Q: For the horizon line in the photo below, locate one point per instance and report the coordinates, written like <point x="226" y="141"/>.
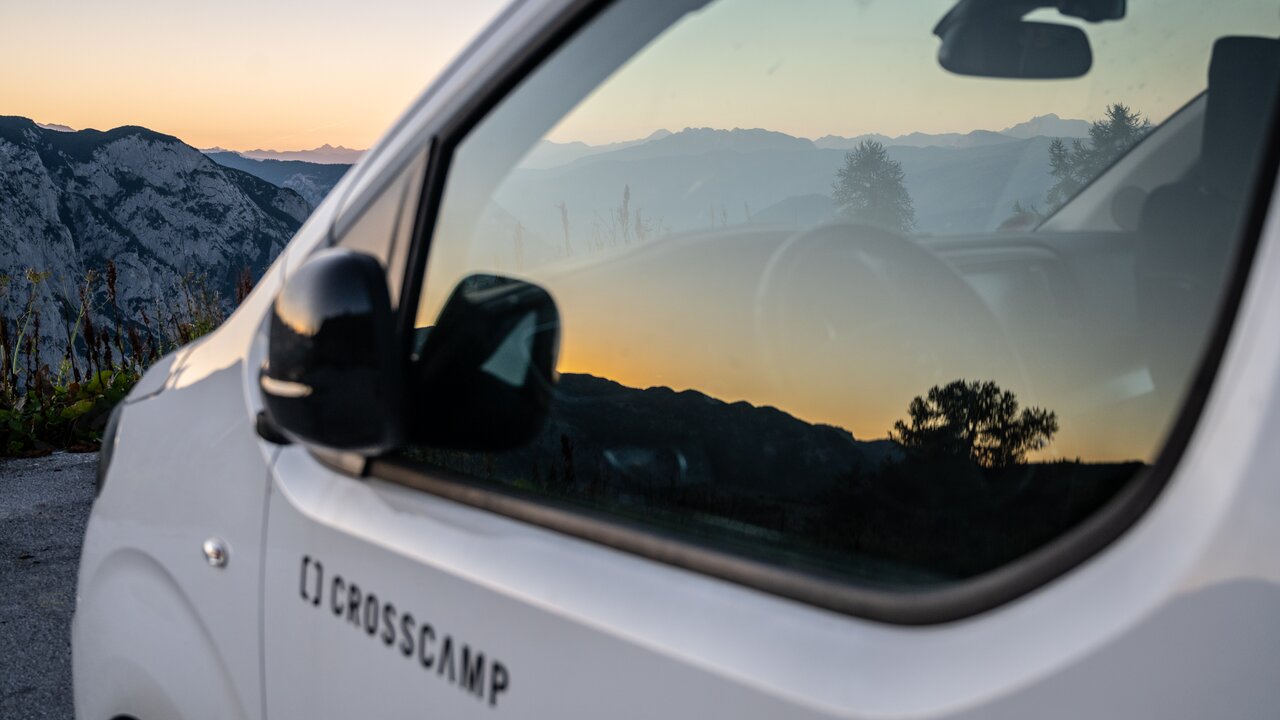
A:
<point x="218" y="147"/>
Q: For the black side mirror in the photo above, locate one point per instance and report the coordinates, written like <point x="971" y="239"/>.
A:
<point x="483" y="375"/>
<point x="988" y="43"/>
<point x="333" y="376"/>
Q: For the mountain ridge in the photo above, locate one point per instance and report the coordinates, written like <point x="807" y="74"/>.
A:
<point x="548" y="154"/>
<point x="157" y="208"/>
<point x="312" y="181"/>
<point x="325" y="154"/>
<point x="679" y="182"/>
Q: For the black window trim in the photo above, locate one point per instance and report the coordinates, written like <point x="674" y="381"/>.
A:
<point x="965" y="599"/>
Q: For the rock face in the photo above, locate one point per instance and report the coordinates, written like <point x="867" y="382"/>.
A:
<point x="160" y="209"/>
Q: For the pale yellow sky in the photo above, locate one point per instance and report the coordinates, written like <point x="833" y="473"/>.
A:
<point x="240" y="74"/>
<point x="290" y="75"/>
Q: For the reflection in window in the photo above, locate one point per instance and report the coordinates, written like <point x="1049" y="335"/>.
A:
<point x="824" y="303"/>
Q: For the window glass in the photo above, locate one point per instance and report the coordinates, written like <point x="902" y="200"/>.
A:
<point x="383" y="227"/>
<point x="825" y="303"/>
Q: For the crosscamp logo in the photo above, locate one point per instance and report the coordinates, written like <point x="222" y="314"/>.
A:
<point x="438" y="653"/>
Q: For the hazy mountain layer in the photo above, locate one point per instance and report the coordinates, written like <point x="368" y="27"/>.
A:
<point x="324" y="155"/>
<point x="312" y="181"/>
<point x="1050" y="126"/>
<point x="700" y="178"/>
<point x="71" y="201"/>
<point x="547" y="153"/>
<point x="916" y="139"/>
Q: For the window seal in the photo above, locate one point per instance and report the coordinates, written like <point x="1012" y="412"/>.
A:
<point x="966" y="598"/>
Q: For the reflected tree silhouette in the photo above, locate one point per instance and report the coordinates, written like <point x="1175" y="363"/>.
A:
<point x="870" y="189"/>
<point x="975" y="420"/>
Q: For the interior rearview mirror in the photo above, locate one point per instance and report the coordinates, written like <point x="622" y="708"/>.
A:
<point x="990" y="45"/>
<point x="332" y="376"/>
<point x="482" y="377"/>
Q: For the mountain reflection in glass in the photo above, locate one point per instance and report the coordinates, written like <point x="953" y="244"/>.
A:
<point x="903" y="360"/>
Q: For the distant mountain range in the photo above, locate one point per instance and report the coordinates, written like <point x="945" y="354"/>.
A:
<point x="311" y="173"/>
<point x="547" y="154"/>
<point x="699" y="178"/>
<point x="157" y="207"/>
<point x="324" y="155"/>
<point x="312" y="181"/>
<point x="1040" y="126"/>
<point x="550" y="154"/>
<point x="162" y="209"/>
<point x="1049" y="126"/>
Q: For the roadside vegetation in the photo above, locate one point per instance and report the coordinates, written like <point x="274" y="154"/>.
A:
<point x="49" y="403"/>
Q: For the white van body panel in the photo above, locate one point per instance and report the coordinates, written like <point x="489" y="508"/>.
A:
<point x="187" y="467"/>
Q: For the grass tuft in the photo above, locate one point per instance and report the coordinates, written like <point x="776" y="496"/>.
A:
<point x="102" y="354"/>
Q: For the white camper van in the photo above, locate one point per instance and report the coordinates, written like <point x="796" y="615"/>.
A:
<point x="739" y="359"/>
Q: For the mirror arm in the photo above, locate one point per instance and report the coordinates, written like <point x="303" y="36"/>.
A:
<point x="346" y="463"/>
<point x="268" y="431"/>
<point x="1013" y="10"/>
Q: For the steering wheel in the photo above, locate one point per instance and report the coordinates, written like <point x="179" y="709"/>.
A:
<point x="853" y="321"/>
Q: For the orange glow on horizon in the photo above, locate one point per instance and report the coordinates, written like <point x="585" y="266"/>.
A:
<point x="239" y="75"/>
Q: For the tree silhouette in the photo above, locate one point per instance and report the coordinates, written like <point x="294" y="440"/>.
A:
<point x="869" y="189"/>
<point x="1109" y="138"/>
<point x="974" y="420"/>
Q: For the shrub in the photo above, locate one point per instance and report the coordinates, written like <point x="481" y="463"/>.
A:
<point x="103" y="355"/>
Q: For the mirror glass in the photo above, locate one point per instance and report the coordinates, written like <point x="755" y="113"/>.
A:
<point x="482" y="376"/>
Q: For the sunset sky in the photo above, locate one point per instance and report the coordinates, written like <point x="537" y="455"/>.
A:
<point x="240" y="74"/>
<point x="291" y="75"/>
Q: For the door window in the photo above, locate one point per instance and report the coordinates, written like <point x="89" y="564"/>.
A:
<point x="826" y="304"/>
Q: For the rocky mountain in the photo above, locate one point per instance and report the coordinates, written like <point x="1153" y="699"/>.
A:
<point x="160" y="209"/>
<point x="311" y="180"/>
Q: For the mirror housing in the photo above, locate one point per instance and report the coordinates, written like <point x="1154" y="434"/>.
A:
<point x="983" y="41"/>
<point x="332" y="376"/>
<point x="482" y="378"/>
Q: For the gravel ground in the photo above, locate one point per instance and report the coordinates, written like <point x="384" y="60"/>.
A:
<point x="44" y="504"/>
